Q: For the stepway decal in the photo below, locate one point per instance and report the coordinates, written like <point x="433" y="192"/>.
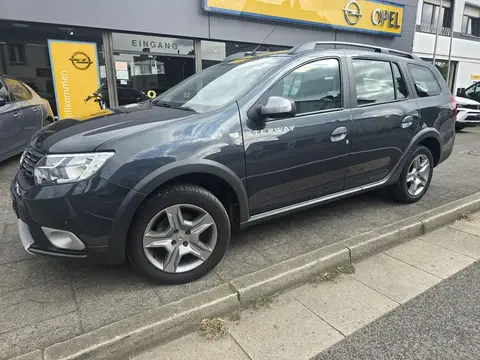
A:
<point x="270" y="131"/>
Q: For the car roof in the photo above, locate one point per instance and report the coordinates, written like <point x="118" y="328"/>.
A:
<point x="327" y="48"/>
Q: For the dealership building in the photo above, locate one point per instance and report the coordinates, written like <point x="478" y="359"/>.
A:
<point x="147" y="46"/>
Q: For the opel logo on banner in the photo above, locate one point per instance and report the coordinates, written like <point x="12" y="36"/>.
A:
<point x="80" y="60"/>
<point x="353" y="12"/>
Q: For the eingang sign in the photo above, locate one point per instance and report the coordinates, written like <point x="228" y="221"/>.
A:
<point x="373" y="16"/>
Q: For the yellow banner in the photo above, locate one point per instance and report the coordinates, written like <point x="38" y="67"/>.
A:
<point x="373" y="16"/>
<point x="75" y="76"/>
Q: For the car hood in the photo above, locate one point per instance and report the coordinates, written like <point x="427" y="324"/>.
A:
<point x="89" y="132"/>
<point x="465" y="101"/>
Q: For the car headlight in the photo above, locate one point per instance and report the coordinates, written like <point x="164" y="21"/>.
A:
<point x="67" y="168"/>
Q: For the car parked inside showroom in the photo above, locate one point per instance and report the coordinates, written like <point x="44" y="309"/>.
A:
<point x="22" y="113"/>
<point x="258" y="136"/>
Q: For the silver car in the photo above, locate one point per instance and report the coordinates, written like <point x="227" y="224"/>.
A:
<point x="22" y="114"/>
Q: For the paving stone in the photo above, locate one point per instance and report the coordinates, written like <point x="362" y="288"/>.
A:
<point x="13" y="251"/>
<point x="33" y="271"/>
<point x="106" y="294"/>
<point x="345" y="304"/>
<point x="34" y="355"/>
<point x="9" y="233"/>
<point x="171" y="293"/>
<point x="431" y="258"/>
<point x="240" y="259"/>
<point x="382" y="273"/>
<point x="470" y="227"/>
<point x="35" y="304"/>
<point x="195" y="346"/>
<point x="39" y="335"/>
<point x="287" y="330"/>
<point x="455" y="240"/>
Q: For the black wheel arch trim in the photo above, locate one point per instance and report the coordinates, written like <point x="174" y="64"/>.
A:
<point x="153" y="181"/>
<point x="417" y="139"/>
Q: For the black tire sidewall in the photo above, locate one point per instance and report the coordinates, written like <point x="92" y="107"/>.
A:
<point x="179" y="195"/>
<point x="405" y="195"/>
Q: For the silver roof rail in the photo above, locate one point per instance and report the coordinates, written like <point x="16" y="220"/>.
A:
<point x="316" y="45"/>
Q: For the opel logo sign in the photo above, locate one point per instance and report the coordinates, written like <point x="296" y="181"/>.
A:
<point x="80" y="60"/>
<point x="352" y="12"/>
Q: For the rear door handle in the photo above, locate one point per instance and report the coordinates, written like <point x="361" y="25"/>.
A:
<point x="407" y="121"/>
<point x="36" y="109"/>
<point x="339" y="134"/>
<point x="17" y="114"/>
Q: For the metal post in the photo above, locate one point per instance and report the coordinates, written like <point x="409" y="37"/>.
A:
<point x="110" y="69"/>
<point x="437" y="32"/>
<point x="451" y="43"/>
<point x="197" y="46"/>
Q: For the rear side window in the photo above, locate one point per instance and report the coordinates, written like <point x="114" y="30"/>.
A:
<point x="374" y="81"/>
<point x="425" y="82"/>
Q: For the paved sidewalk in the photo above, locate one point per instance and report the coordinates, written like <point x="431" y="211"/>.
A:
<point x="305" y="321"/>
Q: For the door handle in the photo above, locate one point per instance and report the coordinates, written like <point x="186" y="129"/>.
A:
<point x="407" y="121"/>
<point x="36" y="109"/>
<point x="17" y="114"/>
<point x="338" y="134"/>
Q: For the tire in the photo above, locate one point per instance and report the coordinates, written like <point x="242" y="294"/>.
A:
<point x="153" y="261"/>
<point x="402" y="191"/>
<point x="459" y="127"/>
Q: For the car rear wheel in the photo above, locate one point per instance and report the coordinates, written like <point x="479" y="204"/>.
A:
<point x="415" y="178"/>
<point x="179" y="235"/>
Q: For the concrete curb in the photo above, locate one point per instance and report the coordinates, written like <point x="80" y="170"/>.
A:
<point x="130" y="335"/>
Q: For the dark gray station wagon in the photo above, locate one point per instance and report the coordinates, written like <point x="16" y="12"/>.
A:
<point x="165" y="182"/>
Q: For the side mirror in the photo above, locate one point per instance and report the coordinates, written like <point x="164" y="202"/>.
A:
<point x="278" y="107"/>
<point x="3" y="102"/>
<point x="461" y="92"/>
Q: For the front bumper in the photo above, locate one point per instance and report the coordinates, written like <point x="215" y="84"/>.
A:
<point x="86" y="210"/>
<point x="468" y="117"/>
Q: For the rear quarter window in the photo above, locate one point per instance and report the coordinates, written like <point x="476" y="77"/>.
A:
<point x="424" y="80"/>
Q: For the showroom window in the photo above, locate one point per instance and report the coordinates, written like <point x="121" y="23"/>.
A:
<point x="24" y="53"/>
<point x="150" y="65"/>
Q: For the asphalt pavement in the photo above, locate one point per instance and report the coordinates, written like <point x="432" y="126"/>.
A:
<point x="69" y="298"/>
<point x="442" y="323"/>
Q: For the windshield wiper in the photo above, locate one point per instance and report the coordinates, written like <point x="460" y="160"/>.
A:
<point x="162" y="104"/>
<point x="186" y="108"/>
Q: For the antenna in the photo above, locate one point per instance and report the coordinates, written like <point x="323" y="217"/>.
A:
<point x="271" y="32"/>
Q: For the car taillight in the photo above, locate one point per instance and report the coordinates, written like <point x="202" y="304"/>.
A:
<point x="455" y="107"/>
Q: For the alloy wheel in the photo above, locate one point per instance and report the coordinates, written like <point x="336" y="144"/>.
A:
<point x="418" y="175"/>
<point x="180" y="238"/>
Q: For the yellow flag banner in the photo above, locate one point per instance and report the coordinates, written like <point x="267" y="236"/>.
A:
<point x="75" y="76"/>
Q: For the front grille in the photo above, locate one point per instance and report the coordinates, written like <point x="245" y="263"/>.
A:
<point x="30" y="159"/>
<point x="473" y="107"/>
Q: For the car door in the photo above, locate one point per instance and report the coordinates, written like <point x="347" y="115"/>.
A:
<point x="32" y="117"/>
<point x="385" y="119"/>
<point x="10" y="118"/>
<point x="301" y="157"/>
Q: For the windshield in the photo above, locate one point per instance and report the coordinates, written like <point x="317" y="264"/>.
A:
<point x="217" y="85"/>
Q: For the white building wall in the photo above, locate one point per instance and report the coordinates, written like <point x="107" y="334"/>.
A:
<point x="464" y="50"/>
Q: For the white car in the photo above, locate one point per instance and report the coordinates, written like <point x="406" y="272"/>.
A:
<point x="468" y="113"/>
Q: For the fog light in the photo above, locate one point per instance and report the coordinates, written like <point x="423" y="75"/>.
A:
<point x="63" y="239"/>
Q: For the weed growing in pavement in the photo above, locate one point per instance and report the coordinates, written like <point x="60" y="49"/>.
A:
<point x="464" y="216"/>
<point x="262" y="302"/>
<point x="213" y="329"/>
<point x="333" y="274"/>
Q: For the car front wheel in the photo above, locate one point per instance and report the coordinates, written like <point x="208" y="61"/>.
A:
<point x="179" y="235"/>
<point x="415" y="178"/>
